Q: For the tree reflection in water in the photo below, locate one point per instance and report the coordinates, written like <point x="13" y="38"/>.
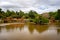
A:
<point x="58" y="27"/>
<point x="58" y="24"/>
<point x="10" y="27"/>
<point x="14" y="26"/>
<point x="31" y="28"/>
<point x="0" y="28"/>
<point x="39" y="28"/>
<point x="21" y="26"/>
<point x="58" y="31"/>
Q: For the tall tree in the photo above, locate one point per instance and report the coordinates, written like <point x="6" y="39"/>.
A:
<point x="0" y="10"/>
<point x="58" y="15"/>
<point x="32" y="14"/>
<point x="20" y="14"/>
<point x="8" y="13"/>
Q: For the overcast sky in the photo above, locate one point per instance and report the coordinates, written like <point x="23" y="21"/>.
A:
<point x="26" y="5"/>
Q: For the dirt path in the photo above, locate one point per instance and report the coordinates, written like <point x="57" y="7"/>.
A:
<point x="4" y="24"/>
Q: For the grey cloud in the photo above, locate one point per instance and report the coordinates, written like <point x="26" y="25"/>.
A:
<point x="9" y="6"/>
<point x="38" y="5"/>
<point x="49" y="2"/>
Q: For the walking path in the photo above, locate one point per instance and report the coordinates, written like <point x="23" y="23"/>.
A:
<point x="4" y="24"/>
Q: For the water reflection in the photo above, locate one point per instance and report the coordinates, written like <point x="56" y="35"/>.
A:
<point x="31" y="28"/>
<point x="58" y="27"/>
<point x="58" y="24"/>
<point x="58" y="31"/>
<point x="0" y="28"/>
<point x="14" y="26"/>
<point x="30" y="31"/>
<point x="39" y="28"/>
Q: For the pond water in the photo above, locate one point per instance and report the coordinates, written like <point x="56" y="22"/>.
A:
<point x="29" y="32"/>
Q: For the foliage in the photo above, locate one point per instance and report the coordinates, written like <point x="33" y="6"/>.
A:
<point x="41" y="20"/>
<point x="58" y="15"/>
<point x="26" y="16"/>
<point x="52" y="14"/>
<point x="20" y="14"/>
<point x="33" y="16"/>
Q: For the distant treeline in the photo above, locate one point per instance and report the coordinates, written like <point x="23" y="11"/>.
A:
<point x="33" y="16"/>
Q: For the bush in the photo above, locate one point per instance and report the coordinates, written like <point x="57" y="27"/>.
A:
<point x="41" y="20"/>
<point x="31" y="20"/>
<point x="45" y="20"/>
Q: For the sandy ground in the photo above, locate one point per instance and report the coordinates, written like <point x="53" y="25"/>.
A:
<point x="4" y="24"/>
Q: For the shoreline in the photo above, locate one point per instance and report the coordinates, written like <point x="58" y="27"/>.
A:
<point x="4" y="24"/>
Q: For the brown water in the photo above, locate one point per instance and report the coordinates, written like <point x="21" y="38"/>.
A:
<point x="29" y="32"/>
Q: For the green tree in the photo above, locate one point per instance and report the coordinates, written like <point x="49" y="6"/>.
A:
<point x="8" y="13"/>
<point x="13" y="14"/>
<point x="0" y="10"/>
<point x="1" y="13"/>
<point x="32" y="14"/>
<point x="26" y="15"/>
<point x="52" y="14"/>
<point x="20" y="14"/>
<point x="41" y="20"/>
<point x="58" y="15"/>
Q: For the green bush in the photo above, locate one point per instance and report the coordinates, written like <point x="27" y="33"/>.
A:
<point x="41" y="20"/>
<point x="31" y="20"/>
<point x="44" y="20"/>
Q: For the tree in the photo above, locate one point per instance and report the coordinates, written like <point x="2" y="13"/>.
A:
<point x="0" y="10"/>
<point x="13" y="14"/>
<point x="1" y="13"/>
<point x="52" y="14"/>
<point x="8" y="13"/>
<point x="41" y="20"/>
<point x="20" y="14"/>
<point x="26" y="15"/>
<point x="32" y="14"/>
<point x="58" y="15"/>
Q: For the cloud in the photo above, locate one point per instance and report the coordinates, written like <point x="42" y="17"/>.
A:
<point x="8" y="5"/>
<point x="38" y="5"/>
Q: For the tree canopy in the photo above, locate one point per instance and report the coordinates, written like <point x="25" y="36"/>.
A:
<point x="33" y="16"/>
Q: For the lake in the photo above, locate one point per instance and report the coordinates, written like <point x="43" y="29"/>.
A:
<point x="29" y="32"/>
